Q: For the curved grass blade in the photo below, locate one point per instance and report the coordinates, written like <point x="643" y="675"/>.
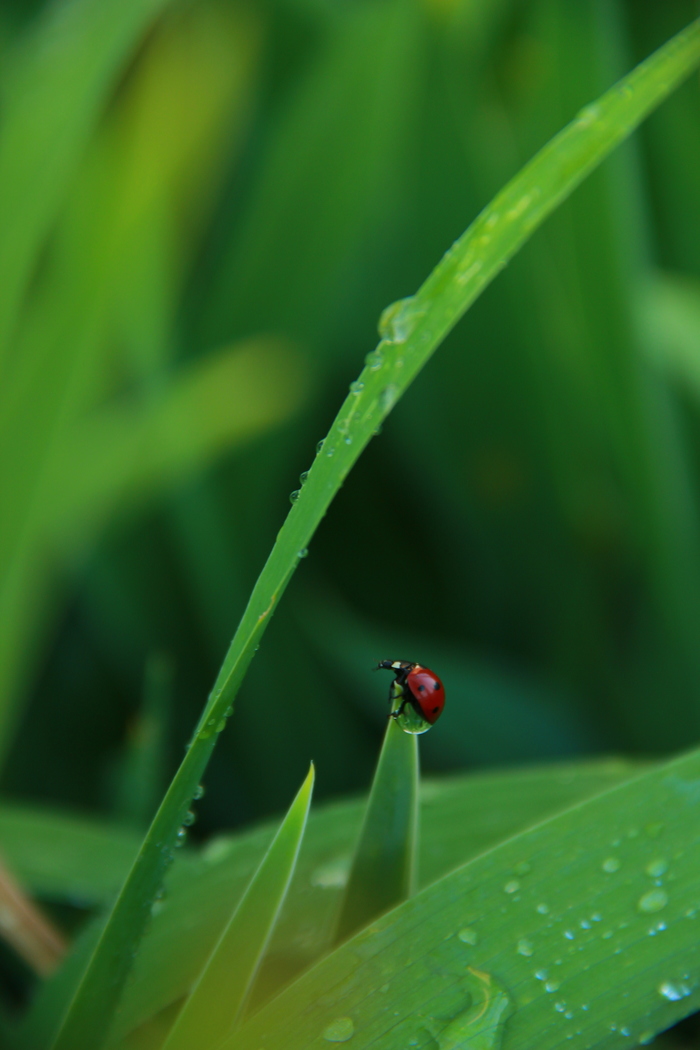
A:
<point x="586" y="923"/>
<point x="52" y="98"/>
<point x="218" y="997"/>
<point x="412" y="331"/>
<point x="384" y="867"/>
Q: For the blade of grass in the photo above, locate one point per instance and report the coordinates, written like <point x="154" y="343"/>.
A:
<point x="142" y="777"/>
<point x="219" y="995"/>
<point x="384" y="865"/>
<point x="587" y="923"/>
<point x="53" y="95"/>
<point x="415" y="330"/>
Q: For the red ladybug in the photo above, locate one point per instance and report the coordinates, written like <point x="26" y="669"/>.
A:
<point x="424" y="690"/>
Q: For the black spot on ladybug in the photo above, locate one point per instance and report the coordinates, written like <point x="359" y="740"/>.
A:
<point x="436" y="686"/>
<point x="435" y="710"/>
<point x="421" y="688"/>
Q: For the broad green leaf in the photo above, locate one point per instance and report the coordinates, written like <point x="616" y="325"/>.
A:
<point x="585" y="926"/>
<point x="383" y="869"/>
<point x="215" y="1003"/>
<point x="411" y="331"/>
<point x="460" y="818"/>
<point x="53" y="94"/>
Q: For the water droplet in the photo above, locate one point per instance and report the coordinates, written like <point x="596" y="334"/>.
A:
<point x="330" y="452"/>
<point x="340" y="1030"/>
<point x="560" y="1007"/>
<point x="388" y="397"/>
<point x="657" y="868"/>
<point x="646" y="1038"/>
<point x="357" y="387"/>
<point x="294" y="496"/>
<point x="332" y="875"/>
<point x="517" y="210"/>
<point x="611" y="865"/>
<point x="541" y="975"/>
<point x="551" y="986"/>
<point x="481" y="1025"/>
<point x="596" y="917"/>
<point x="320" y="446"/>
<point x="569" y="934"/>
<point x="374" y="360"/>
<point x="411" y="722"/>
<point x="348" y="439"/>
<point x="465" y="275"/>
<point x="652" y="901"/>
<point x="672" y="991"/>
<point x="199" y="792"/>
<point x="521" y="868"/>
<point x="399" y="319"/>
<point x="543" y="909"/>
<point x="303" y="553"/>
<point x="468" y="936"/>
<point x="180" y="837"/>
<point x="189" y="818"/>
<point x="585" y="924"/>
<point x="525" y="947"/>
<point x="569" y="1015"/>
<point x="512" y="886"/>
<point x="588" y="115"/>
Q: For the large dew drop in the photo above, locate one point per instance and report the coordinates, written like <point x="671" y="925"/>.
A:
<point x="398" y="320"/>
<point x="652" y="901"/>
<point x="480" y="1027"/>
<point x="340" y="1030"/>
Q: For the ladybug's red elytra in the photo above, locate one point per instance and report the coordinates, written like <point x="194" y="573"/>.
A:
<point x="423" y="689"/>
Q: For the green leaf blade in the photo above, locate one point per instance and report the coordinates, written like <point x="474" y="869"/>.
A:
<point x="383" y="871"/>
<point x="218" y="997"/>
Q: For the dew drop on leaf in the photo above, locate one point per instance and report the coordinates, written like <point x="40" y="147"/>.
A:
<point x="652" y="901"/>
<point x="525" y="947"/>
<point x="480" y="1027"/>
<point x="340" y="1030"/>
<point x="657" y="868"/>
<point x="468" y="936"/>
<point x="672" y="991"/>
<point x="611" y="865"/>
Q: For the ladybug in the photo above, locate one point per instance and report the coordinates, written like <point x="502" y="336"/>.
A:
<point x="423" y="689"/>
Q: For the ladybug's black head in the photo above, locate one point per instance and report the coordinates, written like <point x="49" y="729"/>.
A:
<point x="400" y="667"/>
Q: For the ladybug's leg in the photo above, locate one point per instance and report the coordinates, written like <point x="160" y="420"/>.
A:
<point x="399" y="709"/>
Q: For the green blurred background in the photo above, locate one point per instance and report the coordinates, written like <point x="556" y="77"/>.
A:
<point x="191" y="282"/>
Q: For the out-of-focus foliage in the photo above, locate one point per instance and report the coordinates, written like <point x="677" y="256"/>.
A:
<point x="199" y="259"/>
